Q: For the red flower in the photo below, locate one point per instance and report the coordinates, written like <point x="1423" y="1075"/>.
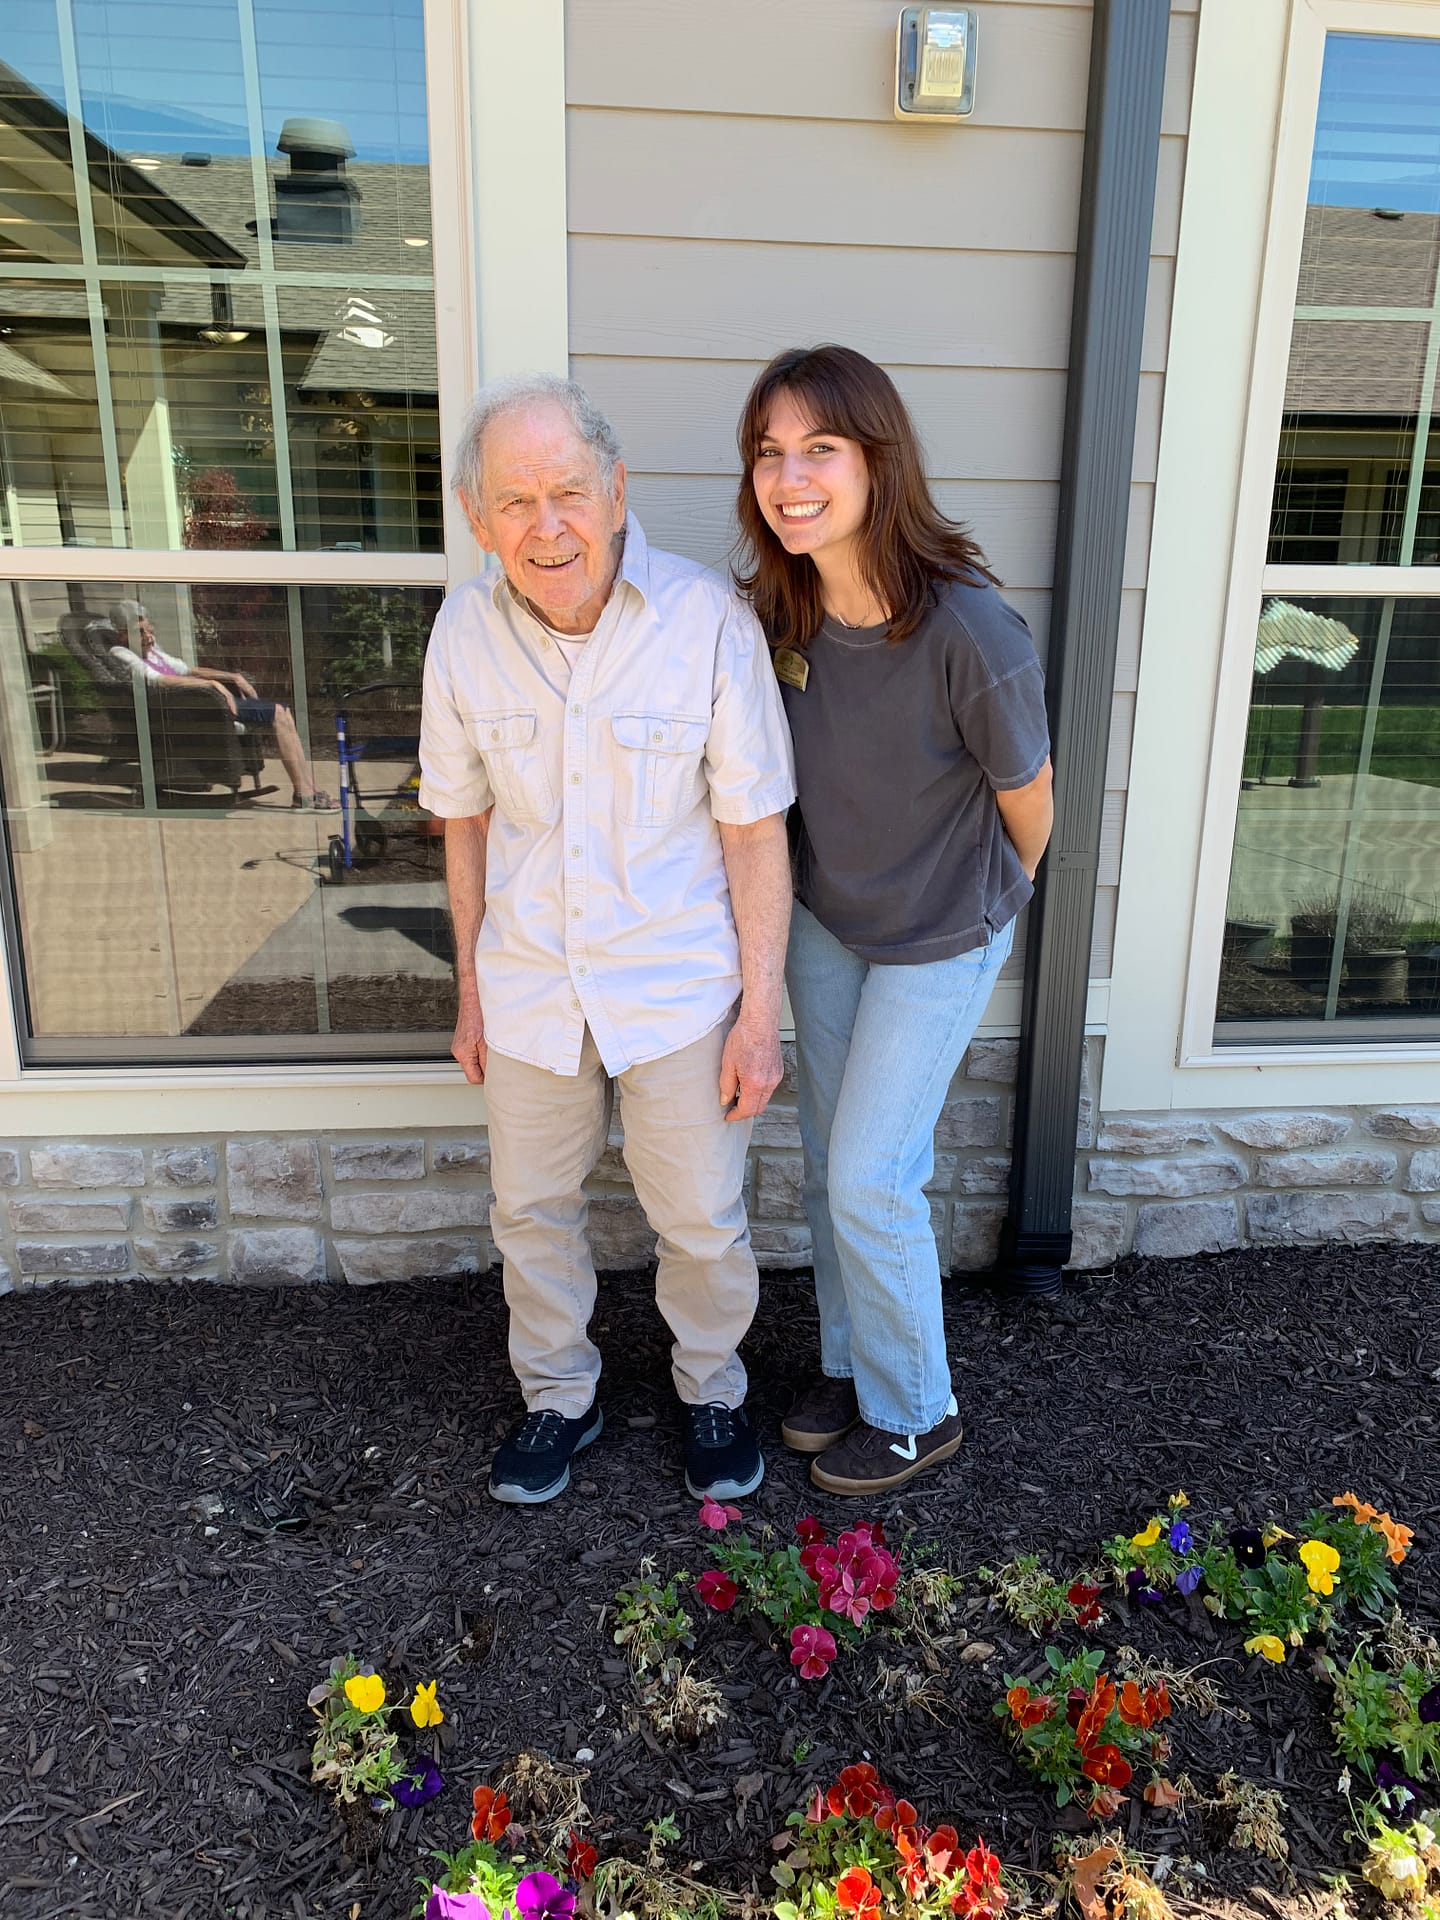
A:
<point x="716" y="1589"/>
<point x="580" y="1857"/>
<point x="1106" y="1766"/>
<point x="941" y="1849"/>
<point x="1075" y="1705"/>
<point x="1028" y="1709"/>
<point x="1132" y="1705"/>
<point x="713" y="1515"/>
<point x="809" y="1531"/>
<point x="810" y="1558"/>
<point x="811" y="1649"/>
<point x="859" y="1791"/>
<point x="982" y="1868"/>
<point x="1098" y="1708"/>
<point x="1084" y="1601"/>
<point x="856" y="1892"/>
<point x="491" y="1818"/>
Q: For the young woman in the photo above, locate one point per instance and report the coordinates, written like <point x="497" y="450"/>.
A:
<point x="922" y="759"/>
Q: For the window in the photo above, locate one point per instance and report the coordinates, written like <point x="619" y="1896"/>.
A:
<point x="219" y="450"/>
<point x="1332" y="919"/>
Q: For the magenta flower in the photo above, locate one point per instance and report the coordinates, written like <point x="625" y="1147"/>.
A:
<point x="455" y="1906"/>
<point x="713" y="1515"/>
<point x="809" y="1531"/>
<point x="716" y="1589"/>
<point x="540" y="1896"/>
<point x="811" y="1649"/>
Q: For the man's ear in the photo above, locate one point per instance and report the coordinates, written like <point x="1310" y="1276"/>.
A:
<point x="477" y="525"/>
<point x="619" y="495"/>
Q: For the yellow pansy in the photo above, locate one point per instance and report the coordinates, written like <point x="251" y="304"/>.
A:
<point x="365" y="1692"/>
<point x="1270" y="1644"/>
<point x="1179" y="1499"/>
<point x="424" y="1708"/>
<point x="1148" y="1537"/>
<point x="1321" y="1561"/>
<point x="1273" y="1533"/>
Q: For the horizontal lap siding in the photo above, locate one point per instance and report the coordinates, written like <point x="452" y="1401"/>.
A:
<point x="738" y="191"/>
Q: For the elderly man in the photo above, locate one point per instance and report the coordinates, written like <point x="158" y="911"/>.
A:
<point x="604" y="740"/>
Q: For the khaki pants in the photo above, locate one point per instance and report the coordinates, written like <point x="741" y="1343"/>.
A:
<point x="547" y="1131"/>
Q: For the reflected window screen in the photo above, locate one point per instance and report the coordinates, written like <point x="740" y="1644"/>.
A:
<point x="219" y="920"/>
<point x="1333" y="913"/>
<point x="216" y="309"/>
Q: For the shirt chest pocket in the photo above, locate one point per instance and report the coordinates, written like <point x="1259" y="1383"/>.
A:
<point x="657" y="766"/>
<point x="514" y="754"/>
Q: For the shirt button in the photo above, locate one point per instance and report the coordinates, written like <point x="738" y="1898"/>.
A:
<point x="576" y="913"/>
<point x="574" y="853"/>
<point x="494" y="733"/>
<point x="575" y="1006"/>
<point x="582" y="970"/>
<point x="577" y="710"/>
<point x="574" y="779"/>
<point x="657" y="735"/>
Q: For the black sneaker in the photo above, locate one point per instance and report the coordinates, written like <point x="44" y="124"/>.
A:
<point x="533" y="1461"/>
<point x="722" y="1459"/>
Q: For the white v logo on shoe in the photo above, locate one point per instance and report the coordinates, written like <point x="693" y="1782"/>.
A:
<point x="907" y="1451"/>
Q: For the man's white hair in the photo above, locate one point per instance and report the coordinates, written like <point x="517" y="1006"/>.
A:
<point x="514" y="395"/>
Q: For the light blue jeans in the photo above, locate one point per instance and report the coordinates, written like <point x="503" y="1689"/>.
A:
<point x="876" y="1049"/>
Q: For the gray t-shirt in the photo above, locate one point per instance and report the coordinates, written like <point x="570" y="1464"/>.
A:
<point x="899" y="748"/>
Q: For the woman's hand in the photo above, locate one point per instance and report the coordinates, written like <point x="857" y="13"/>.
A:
<point x="1029" y="815"/>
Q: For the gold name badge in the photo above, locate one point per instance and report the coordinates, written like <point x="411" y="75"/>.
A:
<point x="792" y="667"/>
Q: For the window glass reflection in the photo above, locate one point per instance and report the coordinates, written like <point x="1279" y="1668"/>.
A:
<point x="217" y="914"/>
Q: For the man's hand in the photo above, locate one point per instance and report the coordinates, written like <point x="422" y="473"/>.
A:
<point x="468" y="1046"/>
<point x="750" y="1068"/>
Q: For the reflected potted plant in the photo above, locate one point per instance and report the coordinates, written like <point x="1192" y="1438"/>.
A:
<point x="1376" y="926"/>
<point x="1422" y="945"/>
<point x="1247" y="936"/>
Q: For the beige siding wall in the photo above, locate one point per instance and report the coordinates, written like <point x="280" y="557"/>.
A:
<point x="737" y="184"/>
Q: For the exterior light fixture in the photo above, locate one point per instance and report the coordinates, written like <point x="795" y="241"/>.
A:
<point x="935" y="63"/>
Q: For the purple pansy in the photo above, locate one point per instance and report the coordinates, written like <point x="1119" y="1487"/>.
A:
<point x="455" y="1906"/>
<point x="1248" y="1547"/>
<point x="540" y="1896"/>
<point x="414" y="1789"/>
<point x="1188" y="1579"/>
<point x="1140" y="1592"/>
<point x="1181" y="1538"/>
<point x="1428" y="1707"/>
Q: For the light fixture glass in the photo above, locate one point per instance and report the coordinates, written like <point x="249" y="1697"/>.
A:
<point x="414" y="240"/>
<point x="145" y="163"/>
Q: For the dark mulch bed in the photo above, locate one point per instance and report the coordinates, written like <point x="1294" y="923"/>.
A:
<point x="153" y="1731"/>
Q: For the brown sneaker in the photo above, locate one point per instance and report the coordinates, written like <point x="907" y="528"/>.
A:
<point x="869" y="1460"/>
<point x="824" y="1413"/>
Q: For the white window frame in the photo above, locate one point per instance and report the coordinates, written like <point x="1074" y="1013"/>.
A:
<point x="1257" y="90"/>
<point x="495" y="79"/>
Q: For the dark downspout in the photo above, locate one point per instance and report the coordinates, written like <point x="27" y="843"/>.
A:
<point x="1112" y="261"/>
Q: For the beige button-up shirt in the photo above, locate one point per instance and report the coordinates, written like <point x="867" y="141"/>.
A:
<point x="606" y="901"/>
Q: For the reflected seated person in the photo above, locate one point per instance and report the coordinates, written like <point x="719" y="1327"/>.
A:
<point x="145" y="658"/>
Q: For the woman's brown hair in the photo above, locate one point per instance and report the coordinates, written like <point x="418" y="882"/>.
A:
<point x="907" y="546"/>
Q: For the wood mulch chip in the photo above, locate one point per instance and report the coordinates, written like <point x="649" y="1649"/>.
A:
<point x="207" y="1493"/>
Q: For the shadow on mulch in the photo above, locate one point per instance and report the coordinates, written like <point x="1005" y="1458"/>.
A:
<point x="156" y="1646"/>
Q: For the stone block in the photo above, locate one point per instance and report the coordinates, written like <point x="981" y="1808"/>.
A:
<point x="1085" y="1124"/>
<point x="366" y="1263"/>
<point x="780" y="1188"/>
<point x="87" y="1166"/>
<point x="620" y="1235"/>
<point x="1430" y="1212"/>
<point x="989" y="1174"/>
<point x="1162" y="1133"/>
<point x="184" y="1166"/>
<point x="460" y="1156"/>
<point x="1307" y="1219"/>
<point x="1174" y="1179"/>
<point x="942" y="1179"/>
<point x="175" y="1256"/>
<point x="1280" y="1132"/>
<point x="70" y="1216"/>
<point x="788" y="1062"/>
<point x="277" y="1256"/>
<point x="1424" y="1174"/>
<point x="1098" y="1229"/>
<point x="992" y="1060"/>
<point x="377" y="1159"/>
<point x="977" y="1121"/>
<point x="776" y="1127"/>
<point x="974" y="1237"/>
<point x="191" y="1215"/>
<point x="1355" y="1169"/>
<point x="1189" y="1227"/>
<point x="421" y="1211"/>
<point x="779" y="1247"/>
<point x="9" y="1167"/>
<point x="274" y="1179"/>
<point x="90" y="1257"/>
<point x="1419" y="1125"/>
<point x="611" y="1164"/>
<point x="7" y="1279"/>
